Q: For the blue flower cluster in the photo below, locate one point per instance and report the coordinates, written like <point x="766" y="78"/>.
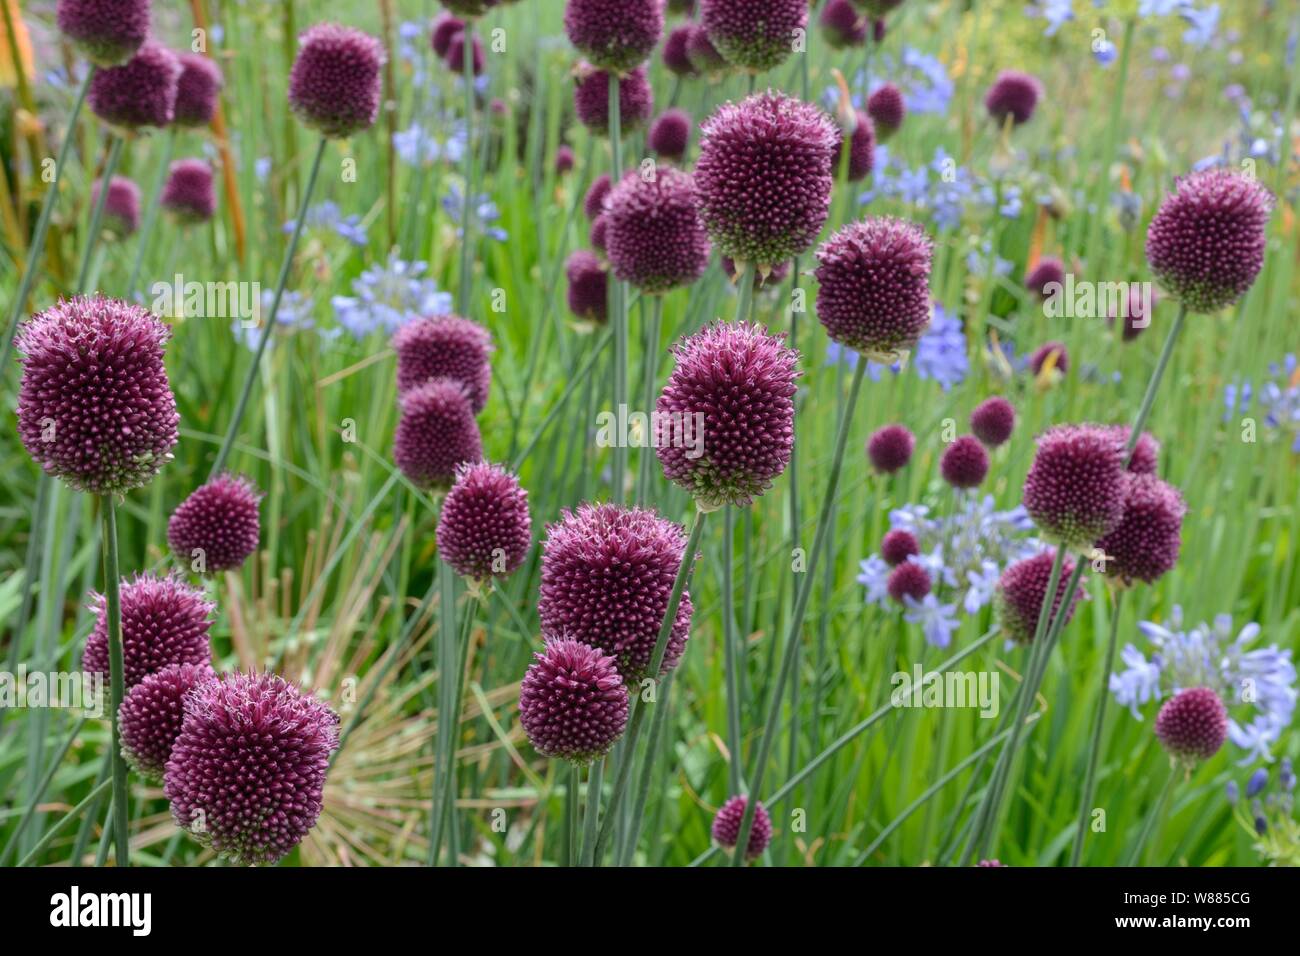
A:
<point x="940" y="353"/>
<point x="387" y="297"/>
<point x="1279" y="398"/>
<point x="1267" y="813"/>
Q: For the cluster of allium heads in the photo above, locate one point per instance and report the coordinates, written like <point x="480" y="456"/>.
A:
<point x="676" y="55"/>
<point x="164" y="621"/>
<point x="593" y="203"/>
<point x="670" y="134"/>
<point x="1136" y="313"/>
<point x="993" y="421"/>
<point x="588" y="292"/>
<point x="152" y="713"/>
<point x="189" y="193"/>
<point x="1013" y="95"/>
<point x="455" y="58"/>
<point x="336" y="80"/>
<point x="889" y="448"/>
<point x="197" y="90"/>
<point x="1145" y="457"/>
<point x="599" y="233"/>
<point x="1145" y="544"/>
<point x="842" y="25"/>
<point x="897" y="546"/>
<point x="121" y="205"/>
<point x="862" y="150"/>
<point x="1192" y="725"/>
<point x="484" y="528"/>
<point x="1054" y="352"/>
<point x="573" y="703"/>
<point x="887" y="110"/>
<point x="739" y="381"/>
<point x="1206" y="243"/>
<point x="1075" y="487"/>
<point x="94" y="406"/>
<point x="965" y="463"/>
<point x="246" y="775"/>
<point x="909" y="579"/>
<point x="874" y="286"/>
<point x="704" y="56"/>
<point x="654" y="238"/>
<point x="615" y="35"/>
<point x="1021" y="590"/>
<point x="754" y="35"/>
<point x="636" y="100"/>
<point x="106" y="32"/>
<point x="445" y="346"/>
<point x="139" y="93"/>
<point x="607" y="574"/>
<point x="727" y="822"/>
<point x="445" y="27"/>
<point x="1046" y="278"/>
<point x="436" y="433"/>
<point x="764" y="177"/>
<point x="217" y="527"/>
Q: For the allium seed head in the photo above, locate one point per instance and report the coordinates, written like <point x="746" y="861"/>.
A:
<point x="615" y="35"/>
<point x="676" y="55"/>
<point x="897" y="546"/>
<point x="573" y="704"/>
<point x="670" y="134"/>
<point x="217" y="524"/>
<point x="445" y="26"/>
<point x="636" y="100"/>
<point x="563" y="159"/>
<point x="703" y="54"/>
<point x="1049" y="272"/>
<point x="965" y="463"/>
<point x="588" y="286"/>
<point x="727" y="822"/>
<point x="484" y="529"/>
<point x="105" y="32"/>
<point x="890" y="448"/>
<point x="1192" y="725"/>
<point x="654" y="238"/>
<point x="436" y="432"/>
<point x="887" y="110"/>
<point x="189" y="193"/>
<point x="164" y="621"/>
<point x="445" y="346"/>
<point x="141" y="92"/>
<point x="335" y="83"/>
<point x="1021" y="591"/>
<point x="1075" y="487"/>
<point x="197" y="90"/>
<point x="993" y="421"/>
<point x="843" y="26"/>
<point x="1145" y="544"/>
<point x="754" y="35"/>
<point x="908" y="580"/>
<point x="1013" y="94"/>
<point x="862" y="150"/>
<point x="593" y="203"/>
<point x="121" y="205"/>
<point x="152" y="713"/>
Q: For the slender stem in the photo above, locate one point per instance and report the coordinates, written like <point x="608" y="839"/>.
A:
<point x="466" y="221"/>
<point x="88" y="821"/>
<point x="575" y="382"/>
<point x="268" y="321"/>
<point x="649" y="374"/>
<point x="461" y="651"/>
<point x="571" y="817"/>
<point x="1153" y="386"/>
<point x="595" y="784"/>
<point x="97" y="213"/>
<point x="647" y="770"/>
<point x="44" y="785"/>
<point x="116" y="678"/>
<point x="617" y="303"/>
<point x="151" y="211"/>
<point x="52" y="832"/>
<point x="1149" y="824"/>
<point x="746" y="277"/>
<point x="1094" y="747"/>
<point x="729" y="647"/>
<point x="446" y="664"/>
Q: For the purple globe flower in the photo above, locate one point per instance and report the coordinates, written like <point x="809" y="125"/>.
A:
<point x="676" y="53"/>
<point x="164" y="622"/>
<point x="94" y="406"/>
<point x="563" y="160"/>
<point x="890" y="448"/>
<point x="1075" y="488"/>
<point x="1013" y="94"/>
<point x="588" y="286"/>
<point x="775" y="273"/>
<point x="572" y="703"/>
<point x="727" y="823"/>
<point x="607" y="572"/>
<point x="247" y="772"/>
<point x="738" y="381"/>
<point x="217" y="527"/>
<point x="764" y="177"/>
<point x="1137" y="314"/>
<point x="593" y="203"/>
<point x="897" y="546"/>
<point x="908" y="580"/>
<point x="335" y="83"/>
<point x="139" y="93"/>
<point x="654" y="238"/>
<point x="456" y="54"/>
<point x="1021" y="590"/>
<point x="445" y="26"/>
<point x="484" y="529"/>
<point x="436" y="433"/>
<point x="1144" y="545"/>
<point x="862" y="150"/>
<point x="843" y="26"/>
<point x="1146" y="453"/>
<point x="152" y="714"/>
<point x="105" y="32"/>
<point x="445" y="346"/>
<point x="887" y="110"/>
<point x="1206" y="242"/>
<point x="1056" y="352"/>
<point x="703" y="54"/>
<point x="670" y="134"/>
<point x="1192" y="725"/>
<point x="965" y="463"/>
<point x="754" y="35"/>
<point x="197" y="90"/>
<point x="874" y="287"/>
<point x="615" y="35"/>
<point x="189" y="193"/>
<point x="990" y="863"/>
<point x="636" y="100"/>
<point x="993" y="421"/>
<point x="598" y="235"/>
<point x="121" y="206"/>
<point x="1046" y="278"/>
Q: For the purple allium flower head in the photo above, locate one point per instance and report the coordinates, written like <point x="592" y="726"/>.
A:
<point x="909" y="579"/>
<point x="217" y="526"/>
<point x="247" y="773"/>
<point x="105" y="32"/>
<point x="654" y="238"/>
<point x="775" y="273"/>
<point x="588" y="286"/>
<point x="1146" y="453"/>
<point x="1145" y="544"/>
<point x="598" y="235"/>
<point x="843" y="26"/>
<point x="1055" y="350"/>
<point x="764" y="176"/>
<point x="484" y="529"/>
<point x="456" y="54"/>
<point x="890" y="448"/>
<point x="121" y="205"/>
<point x="615" y="35"/>
<point x="1013" y="94"/>
<point x="965" y="463"/>
<point x="335" y="83"/>
<point x="563" y="159"/>
<point x="197" y="90"/>
<point x="676" y="56"/>
<point x="862" y="150"/>
<point x="593" y="204"/>
<point x="703" y="54"/>
<point x="874" y="286"/>
<point x="1137" y="317"/>
<point x="607" y="572"/>
<point x="897" y="546"/>
<point x="1049" y="271"/>
<point x="993" y="421"/>
<point x="636" y="100"/>
<point x="164" y="621"/>
<point x="436" y="432"/>
<point x="1075" y="488"/>
<point x="189" y="193"/>
<point x="572" y="703"/>
<point x="1021" y="591"/>
<point x="1206" y="242"/>
<point x="670" y="134"/>
<point x="445" y="346"/>
<point x="739" y="381"/>
<point x="445" y="26"/>
<point x="727" y="822"/>
<point x="152" y="714"/>
<point x="1192" y="725"/>
<point x="887" y="110"/>
<point x="878" y="29"/>
<point x="754" y="35"/>
<point x="94" y="406"/>
<point x="141" y="92"/>
<point x="990" y="863"/>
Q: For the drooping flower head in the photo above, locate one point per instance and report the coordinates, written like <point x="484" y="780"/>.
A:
<point x="1145" y="544"/>
<point x="842" y="26"/>
<point x="573" y="703"/>
<point x="670" y="134"/>
<point x="121" y="205"/>
<point x="908" y="580"/>
<point x="484" y="529"/>
<point x="152" y="714"/>
<point x="874" y="286"/>
<point x="217" y="527"/>
<point x="676" y="55"/>
<point x="615" y="35"/>
<point x="95" y="407"/>
<point x="164" y="621"/>
<point x="1046" y="278"/>
<point x="654" y="238"/>
<point x="964" y="463"/>
<point x="189" y="193"/>
<point x="890" y="448"/>
<point x="445" y="346"/>
<point x="105" y="32"/>
<point x="727" y="822"/>
<point x="445" y="26"/>
<point x="737" y="381"/>
<point x="247" y="773"/>
<point x="703" y="54"/>
<point x="993" y="421"/>
<point x="862" y="150"/>
<point x="336" y="80"/>
<point x="1206" y="242"/>
<point x="1013" y="94"/>
<point x="1192" y="725"/>
<point x="754" y="35"/>
<point x="636" y="99"/>
<point x="436" y="432"/>
<point x="607" y="573"/>
<point x="139" y="93"/>
<point x="588" y="292"/>
<point x="887" y="110"/>
<point x="897" y="546"/>
<point x="1075" y="487"/>
<point x="1021" y="590"/>
<point x="1055" y="351"/>
<point x="197" y="90"/>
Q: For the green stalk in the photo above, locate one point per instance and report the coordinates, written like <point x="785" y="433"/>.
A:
<point x="88" y="821"/>
<point x="151" y="211"/>
<point x="116" y="678"/>
<point x="97" y="213"/>
<point x="1153" y="386"/>
<point x="1094" y="748"/>
<point x="595" y="784"/>
<point x="446" y="664"/>
<point x="649" y="374"/>
<point x="617" y="305"/>
<point x="40" y="790"/>
<point x="571" y="817"/>
<point x="1149" y="824"/>
<point x="647" y="771"/>
<point x="729" y="647"/>
<point x="466" y="252"/>
<point x="55" y="830"/>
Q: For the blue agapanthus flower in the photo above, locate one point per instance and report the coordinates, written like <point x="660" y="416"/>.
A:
<point x="294" y="313"/>
<point x="327" y="215"/>
<point x="1203" y="24"/>
<point x="940" y="353"/>
<point x="386" y="297"/>
<point x="422" y="144"/>
<point x="483" y="213"/>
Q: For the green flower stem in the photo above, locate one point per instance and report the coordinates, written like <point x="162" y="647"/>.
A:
<point x="729" y="647"/>
<point x="595" y="784"/>
<point x="1149" y="824"/>
<point x="1153" y="386"/>
<point x="1094" y="747"/>
<point x="88" y="821"/>
<point x="617" y="300"/>
<point x="54" y="831"/>
<point x="571" y="817"/>
<point x="40" y="790"/>
<point x="649" y="374"/>
<point x="116" y="678"/>
<point x="469" y="171"/>
<point x="647" y="770"/>
<point x="151" y="211"/>
<point x="97" y="213"/>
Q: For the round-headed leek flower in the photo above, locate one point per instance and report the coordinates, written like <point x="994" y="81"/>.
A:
<point x="1144" y="545"/>
<point x="564" y="159"/>
<point x="897" y="546"/>
<point x="887" y="110"/>
<point x="754" y="35"/>
<point x="1192" y="725"/>
<point x="484" y="529"/>
<point x="726" y="827"/>
<point x="676" y="53"/>
<point x="593" y="203"/>
<point x="1013" y="94"/>
<point x="599" y="233"/>
<point x="993" y="421"/>
<point x="445" y="346"/>
<point x="670" y="134"/>
<point x="1046" y="278"/>
<point x="842" y="26"/>
<point x="615" y="35"/>
<point x="336" y="80"/>
<point x="636" y="99"/>
<point x="445" y="26"/>
<point x="703" y="54"/>
<point x="1056" y="352"/>
<point x="1021" y="591"/>
<point x="965" y="463"/>
<point x="121" y="206"/>
<point x="197" y="90"/>
<point x="189" y="193"/>
<point x="1075" y="487"/>
<point x="862" y="149"/>
<point x="456" y="55"/>
<point x="890" y="448"/>
<point x="653" y="235"/>
<point x="572" y="703"/>
<point x="1146" y="453"/>
<point x="588" y="293"/>
<point x="908" y="580"/>
<point x="105" y="32"/>
<point x="139" y="93"/>
<point x="164" y="621"/>
<point x="152" y="714"/>
<point x="436" y="433"/>
<point x="217" y="527"/>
